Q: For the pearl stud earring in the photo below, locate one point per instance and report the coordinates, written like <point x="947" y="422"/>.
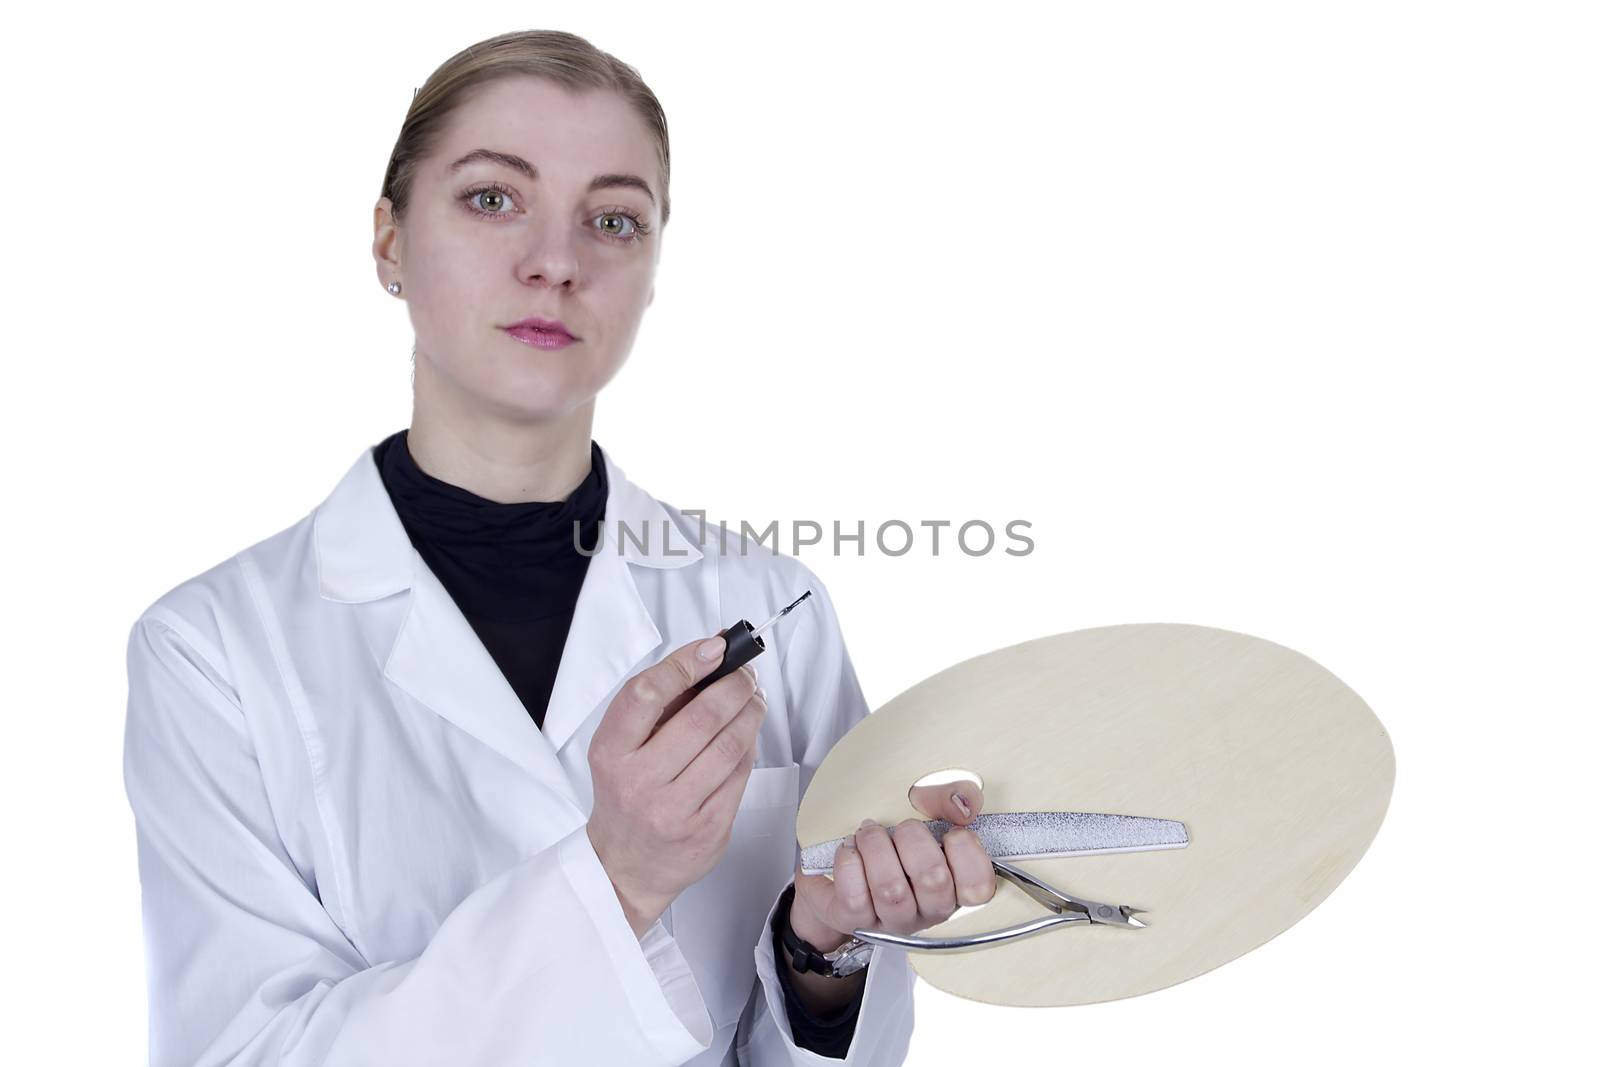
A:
<point x="394" y="287"/>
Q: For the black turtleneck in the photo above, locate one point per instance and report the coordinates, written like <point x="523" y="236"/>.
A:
<point x="514" y="572"/>
<point x="512" y="569"/>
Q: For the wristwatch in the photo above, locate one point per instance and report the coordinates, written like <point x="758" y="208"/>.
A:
<point x="842" y="962"/>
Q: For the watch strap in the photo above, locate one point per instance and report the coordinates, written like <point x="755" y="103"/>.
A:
<point x="806" y="956"/>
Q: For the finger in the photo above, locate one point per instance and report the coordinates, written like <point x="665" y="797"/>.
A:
<point x="721" y="756"/>
<point x="926" y="869"/>
<point x="681" y="739"/>
<point x="847" y="905"/>
<point x="970" y="867"/>
<point x="723" y="801"/>
<point x="892" y="897"/>
<point x="633" y="714"/>
<point x="814" y="895"/>
<point x="676" y="704"/>
<point x="682" y="700"/>
<point x="957" y="803"/>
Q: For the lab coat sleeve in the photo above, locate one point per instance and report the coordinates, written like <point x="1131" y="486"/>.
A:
<point x="825" y="702"/>
<point x="246" y="967"/>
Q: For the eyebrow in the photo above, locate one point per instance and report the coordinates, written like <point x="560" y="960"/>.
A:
<point x="522" y="166"/>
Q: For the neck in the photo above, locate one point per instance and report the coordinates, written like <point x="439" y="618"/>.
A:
<point x="507" y="462"/>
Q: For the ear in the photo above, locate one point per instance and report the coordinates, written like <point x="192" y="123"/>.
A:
<point x="385" y="238"/>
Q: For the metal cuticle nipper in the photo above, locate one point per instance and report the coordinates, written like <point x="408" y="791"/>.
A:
<point x="1065" y="910"/>
<point x="1036" y="835"/>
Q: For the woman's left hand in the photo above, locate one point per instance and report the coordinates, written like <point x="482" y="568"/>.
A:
<point x="901" y="883"/>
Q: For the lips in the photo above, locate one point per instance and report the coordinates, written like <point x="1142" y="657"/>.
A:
<point x="540" y="333"/>
<point x="550" y="326"/>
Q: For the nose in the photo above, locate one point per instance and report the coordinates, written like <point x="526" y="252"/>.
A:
<point x="550" y="259"/>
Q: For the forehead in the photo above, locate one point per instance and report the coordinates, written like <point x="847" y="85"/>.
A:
<point x="568" y="135"/>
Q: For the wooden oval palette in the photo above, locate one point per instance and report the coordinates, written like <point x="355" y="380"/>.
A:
<point x="1279" y="771"/>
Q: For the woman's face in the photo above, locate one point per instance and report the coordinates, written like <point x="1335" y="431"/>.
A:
<point x="485" y="245"/>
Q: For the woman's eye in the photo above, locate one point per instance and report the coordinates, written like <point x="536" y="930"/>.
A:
<point x="491" y="201"/>
<point x="619" y="225"/>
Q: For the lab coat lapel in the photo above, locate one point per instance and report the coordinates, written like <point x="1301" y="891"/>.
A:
<point x="439" y="659"/>
<point x="611" y="631"/>
<point x="363" y="554"/>
<point x="613" y="635"/>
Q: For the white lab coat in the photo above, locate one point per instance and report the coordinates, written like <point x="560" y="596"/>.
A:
<point x="356" y="847"/>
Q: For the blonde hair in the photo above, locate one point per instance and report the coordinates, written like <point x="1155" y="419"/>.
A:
<point x="563" y="58"/>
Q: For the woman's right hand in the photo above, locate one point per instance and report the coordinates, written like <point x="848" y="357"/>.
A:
<point x="669" y="767"/>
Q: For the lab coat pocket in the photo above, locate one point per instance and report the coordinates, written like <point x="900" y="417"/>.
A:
<point x="718" y="920"/>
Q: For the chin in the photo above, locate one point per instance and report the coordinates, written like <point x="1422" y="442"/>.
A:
<point x="537" y="405"/>
<point x="537" y="387"/>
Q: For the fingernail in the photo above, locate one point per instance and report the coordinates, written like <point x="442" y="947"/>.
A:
<point x="762" y="693"/>
<point x="711" y="648"/>
<point x="961" y="802"/>
<point x="865" y="824"/>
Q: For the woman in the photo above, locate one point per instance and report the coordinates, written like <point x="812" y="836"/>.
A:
<point x="419" y="779"/>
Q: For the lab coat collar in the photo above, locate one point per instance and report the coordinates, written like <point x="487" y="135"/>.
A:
<point x="363" y="554"/>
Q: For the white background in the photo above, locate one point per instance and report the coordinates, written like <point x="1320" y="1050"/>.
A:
<point x="1273" y="317"/>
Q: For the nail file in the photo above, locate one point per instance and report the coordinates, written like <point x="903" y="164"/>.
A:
<point x="1038" y="834"/>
